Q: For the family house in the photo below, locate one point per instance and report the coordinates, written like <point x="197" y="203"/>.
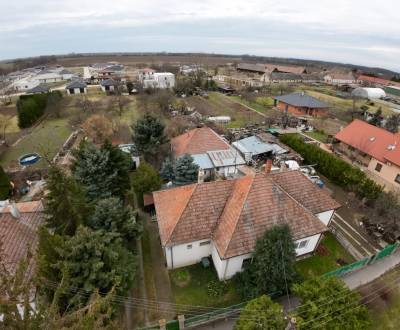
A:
<point x="76" y="87"/>
<point x="224" y="219"/>
<point x="209" y="150"/>
<point x="375" y="148"/>
<point x="301" y="104"/>
<point x="162" y="80"/>
<point x="340" y="79"/>
<point x="19" y="223"/>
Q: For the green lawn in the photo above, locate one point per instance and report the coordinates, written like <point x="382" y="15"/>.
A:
<point x="317" y="135"/>
<point x="320" y="264"/>
<point x="189" y="287"/>
<point x="46" y="138"/>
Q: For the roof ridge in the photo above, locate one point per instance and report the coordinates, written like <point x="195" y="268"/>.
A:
<point x="239" y="214"/>
<point x="181" y="213"/>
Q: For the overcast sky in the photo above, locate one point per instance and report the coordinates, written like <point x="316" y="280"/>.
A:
<point x="365" y="32"/>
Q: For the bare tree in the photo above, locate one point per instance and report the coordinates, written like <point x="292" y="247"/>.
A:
<point x="5" y="93"/>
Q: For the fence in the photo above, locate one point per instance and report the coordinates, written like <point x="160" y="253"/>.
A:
<point x="388" y="250"/>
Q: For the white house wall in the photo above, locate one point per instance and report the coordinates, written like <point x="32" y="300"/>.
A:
<point x="325" y="217"/>
<point x="183" y="256"/>
<point x="312" y="242"/>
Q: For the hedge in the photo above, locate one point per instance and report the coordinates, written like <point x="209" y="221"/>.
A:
<point x="32" y="107"/>
<point x="335" y="169"/>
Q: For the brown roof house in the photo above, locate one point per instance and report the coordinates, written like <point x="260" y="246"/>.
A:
<point x="19" y="223"/>
<point x="223" y="219"/>
<point x="209" y="150"/>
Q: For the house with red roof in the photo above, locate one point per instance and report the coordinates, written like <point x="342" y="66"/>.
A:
<point x="209" y="150"/>
<point x="375" y="148"/>
<point x="222" y="220"/>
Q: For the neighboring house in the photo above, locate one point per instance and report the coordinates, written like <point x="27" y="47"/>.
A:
<point x="373" y="147"/>
<point x="340" y="79"/>
<point x="283" y="77"/>
<point x="25" y="84"/>
<point x="76" y="87"/>
<point x="252" y="148"/>
<point x="209" y="150"/>
<point x="368" y="93"/>
<point x="377" y="81"/>
<point x="301" y="104"/>
<point x="224" y="219"/>
<point x="131" y="149"/>
<point x="162" y="80"/>
<point x="19" y="223"/>
<point x="39" y="89"/>
<point x="108" y="85"/>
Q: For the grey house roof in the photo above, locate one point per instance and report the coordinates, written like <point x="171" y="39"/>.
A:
<point x="42" y="88"/>
<point x="108" y="82"/>
<point x="76" y="84"/>
<point x="302" y="100"/>
<point x="255" y="146"/>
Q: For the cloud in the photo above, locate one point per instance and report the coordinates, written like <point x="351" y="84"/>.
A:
<point x="351" y="31"/>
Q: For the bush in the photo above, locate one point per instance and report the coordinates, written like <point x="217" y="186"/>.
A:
<point x="216" y="288"/>
<point x="5" y="185"/>
<point x="30" y="109"/>
<point x="335" y="169"/>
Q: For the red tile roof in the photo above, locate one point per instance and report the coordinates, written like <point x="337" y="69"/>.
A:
<point x="379" y="81"/>
<point x="374" y="141"/>
<point x="18" y="235"/>
<point x="235" y="213"/>
<point x="198" y="141"/>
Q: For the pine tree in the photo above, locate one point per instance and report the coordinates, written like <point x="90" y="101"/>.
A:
<point x="167" y="170"/>
<point x="5" y="185"/>
<point x="148" y="135"/>
<point x="111" y="215"/>
<point x="95" y="259"/>
<point x="65" y="204"/>
<point x="186" y="171"/>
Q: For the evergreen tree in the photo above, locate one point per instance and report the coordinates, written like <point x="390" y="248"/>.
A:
<point x="96" y="260"/>
<point x="272" y="268"/>
<point x="5" y="185"/>
<point x="145" y="180"/>
<point x="319" y="310"/>
<point x="186" y="171"/>
<point x="148" y="135"/>
<point x="261" y="313"/>
<point x="65" y="204"/>
<point x="167" y="170"/>
<point x="122" y="163"/>
<point x="111" y="215"/>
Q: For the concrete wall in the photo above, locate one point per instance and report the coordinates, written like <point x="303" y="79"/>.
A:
<point x="182" y="255"/>
<point x="325" y="217"/>
<point x="387" y="172"/>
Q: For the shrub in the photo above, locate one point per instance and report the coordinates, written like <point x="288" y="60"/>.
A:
<point x="216" y="288"/>
<point x="5" y="185"/>
<point x="335" y="169"/>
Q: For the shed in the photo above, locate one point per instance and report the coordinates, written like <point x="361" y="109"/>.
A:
<point x="368" y="93"/>
<point x="252" y="147"/>
<point x="76" y="87"/>
<point x="108" y="85"/>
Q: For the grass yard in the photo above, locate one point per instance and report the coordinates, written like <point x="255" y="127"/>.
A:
<point x="317" y="135"/>
<point x="321" y="263"/>
<point x="190" y="286"/>
<point x="46" y="138"/>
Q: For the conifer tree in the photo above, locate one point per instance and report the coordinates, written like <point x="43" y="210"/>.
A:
<point x="186" y="171"/>
<point x="5" y="185"/>
<point x="167" y="170"/>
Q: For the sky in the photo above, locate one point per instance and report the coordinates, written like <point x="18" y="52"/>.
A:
<point x="363" y="32"/>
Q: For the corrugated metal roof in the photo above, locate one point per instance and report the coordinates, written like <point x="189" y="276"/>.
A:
<point x="221" y="158"/>
<point x="203" y="160"/>
<point x="256" y="147"/>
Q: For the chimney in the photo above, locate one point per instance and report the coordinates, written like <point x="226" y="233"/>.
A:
<point x="14" y="211"/>
<point x="268" y="166"/>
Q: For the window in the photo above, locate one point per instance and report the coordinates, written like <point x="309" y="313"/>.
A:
<point x="189" y="246"/>
<point x="397" y="179"/>
<point x="205" y="243"/>
<point x="378" y="167"/>
<point x="300" y="245"/>
<point x="246" y="263"/>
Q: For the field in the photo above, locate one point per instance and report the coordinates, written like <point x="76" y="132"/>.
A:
<point x="220" y="105"/>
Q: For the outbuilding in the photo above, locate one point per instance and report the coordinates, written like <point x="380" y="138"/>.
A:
<point x="76" y="87"/>
<point x="368" y="93"/>
<point x="108" y="85"/>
